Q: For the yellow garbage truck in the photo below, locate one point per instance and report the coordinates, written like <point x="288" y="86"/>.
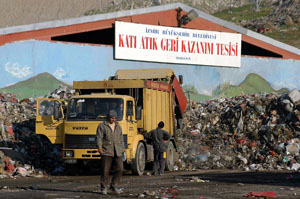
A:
<point x="141" y="98"/>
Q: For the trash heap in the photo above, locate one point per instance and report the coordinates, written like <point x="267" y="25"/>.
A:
<point x="22" y="152"/>
<point x="62" y="92"/>
<point x="13" y="111"/>
<point x="249" y="132"/>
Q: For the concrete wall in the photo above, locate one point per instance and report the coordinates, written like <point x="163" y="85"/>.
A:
<point x="67" y="62"/>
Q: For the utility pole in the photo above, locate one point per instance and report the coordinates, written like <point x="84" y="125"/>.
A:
<point x="189" y="92"/>
<point x="257" y="4"/>
<point x="230" y="7"/>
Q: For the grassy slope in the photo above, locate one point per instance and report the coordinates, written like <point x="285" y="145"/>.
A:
<point x="199" y="97"/>
<point x="252" y="84"/>
<point x="38" y="85"/>
<point x="283" y="33"/>
<point x="287" y="34"/>
<point x="242" y="13"/>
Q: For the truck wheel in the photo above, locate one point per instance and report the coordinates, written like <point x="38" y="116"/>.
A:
<point x="138" y="164"/>
<point x="170" y="157"/>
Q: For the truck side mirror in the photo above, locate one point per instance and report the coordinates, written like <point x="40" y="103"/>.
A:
<point x="138" y="113"/>
<point x="180" y="79"/>
<point x="129" y="109"/>
<point x="56" y="110"/>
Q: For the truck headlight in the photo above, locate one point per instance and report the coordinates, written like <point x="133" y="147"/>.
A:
<point x="68" y="154"/>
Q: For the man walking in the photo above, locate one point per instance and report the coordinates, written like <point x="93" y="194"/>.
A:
<point x="110" y="146"/>
<point x="159" y="139"/>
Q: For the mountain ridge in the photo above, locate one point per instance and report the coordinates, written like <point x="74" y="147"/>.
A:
<point x="253" y="83"/>
<point x="38" y="85"/>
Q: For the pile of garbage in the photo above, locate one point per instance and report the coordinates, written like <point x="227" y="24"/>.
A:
<point x="22" y="152"/>
<point x="249" y="132"/>
<point x="62" y="92"/>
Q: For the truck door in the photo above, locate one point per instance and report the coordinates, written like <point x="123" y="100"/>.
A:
<point x="50" y="119"/>
<point x="130" y="117"/>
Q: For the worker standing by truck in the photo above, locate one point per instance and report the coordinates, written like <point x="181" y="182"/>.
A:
<point x="159" y="140"/>
<point x="110" y="146"/>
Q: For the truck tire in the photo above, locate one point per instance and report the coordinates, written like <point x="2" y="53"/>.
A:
<point x="139" y="163"/>
<point x="170" y="157"/>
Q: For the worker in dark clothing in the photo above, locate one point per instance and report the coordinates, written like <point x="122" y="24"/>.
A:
<point x="159" y="140"/>
<point x="111" y="147"/>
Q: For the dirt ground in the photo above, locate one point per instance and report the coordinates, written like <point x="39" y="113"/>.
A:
<point x="204" y="184"/>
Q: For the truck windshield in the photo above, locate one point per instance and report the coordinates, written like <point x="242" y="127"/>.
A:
<point x="94" y="108"/>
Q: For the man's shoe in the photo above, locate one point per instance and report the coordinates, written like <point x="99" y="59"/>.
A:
<point x="104" y="191"/>
<point x="115" y="190"/>
<point x="155" y="173"/>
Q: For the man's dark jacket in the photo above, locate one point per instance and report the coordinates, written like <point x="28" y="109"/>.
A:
<point x="158" y="136"/>
<point x="109" y="140"/>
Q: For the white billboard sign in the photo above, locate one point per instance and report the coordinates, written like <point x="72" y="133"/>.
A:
<point x="176" y="45"/>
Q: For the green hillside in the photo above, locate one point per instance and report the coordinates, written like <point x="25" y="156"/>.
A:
<point x="199" y="97"/>
<point x="246" y="17"/>
<point x="252" y="84"/>
<point x="38" y="85"/>
<point x="236" y="15"/>
<point x="192" y="94"/>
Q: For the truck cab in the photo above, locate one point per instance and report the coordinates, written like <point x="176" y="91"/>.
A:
<point x="77" y="131"/>
<point x="85" y="113"/>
